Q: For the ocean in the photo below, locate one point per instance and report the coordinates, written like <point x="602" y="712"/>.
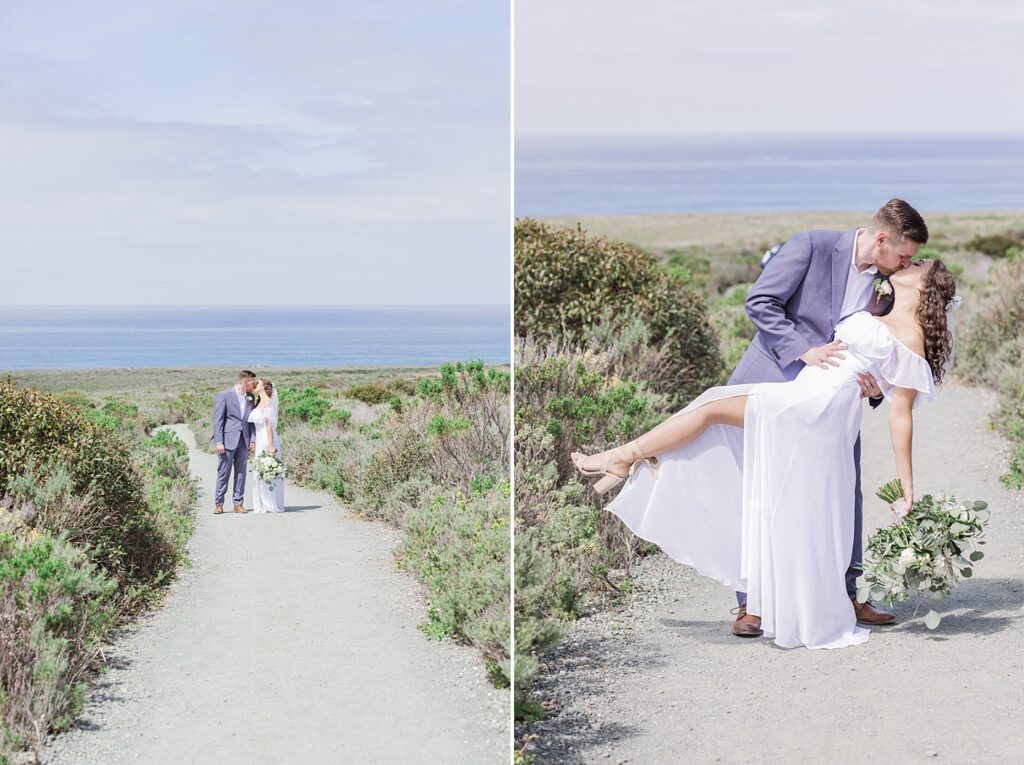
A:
<point x="566" y="176"/>
<point x="169" y="336"/>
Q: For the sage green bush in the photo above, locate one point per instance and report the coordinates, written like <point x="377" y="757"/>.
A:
<point x="566" y="545"/>
<point x="434" y="463"/>
<point x="457" y="544"/>
<point x="94" y="517"/>
<point x="567" y="282"/>
<point x="119" y="528"/>
<point x="991" y="352"/>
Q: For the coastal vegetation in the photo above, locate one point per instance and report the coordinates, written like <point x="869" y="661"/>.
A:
<point x="585" y="379"/>
<point x="425" y="450"/>
<point x="95" y="512"/>
<point x="608" y="343"/>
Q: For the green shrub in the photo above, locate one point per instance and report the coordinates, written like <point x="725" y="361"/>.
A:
<point x="56" y="607"/>
<point x="119" y="528"/>
<point x="541" y="589"/>
<point x="456" y="433"/>
<point x="991" y="352"/>
<point x="459" y="547"/>
<point x="369" y="393"/>
<point x="402" y="387"/>
<point x="567" y="282"/>
<point x="689" y="269"/>
<point x="307" y="405"/>
<point x="566" y="545"/>
<point x="340" y="417"/>
<point x="996" y="245"/>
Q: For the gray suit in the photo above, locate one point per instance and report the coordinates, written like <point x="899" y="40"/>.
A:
<point x="795" y="305"/>
<point x="232" y="428"/>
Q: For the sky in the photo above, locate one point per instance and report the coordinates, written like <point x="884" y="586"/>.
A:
<point x="796" y="66"/>
<point x="248" y="152"/>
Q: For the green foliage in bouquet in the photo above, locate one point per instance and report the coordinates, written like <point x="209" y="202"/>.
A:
<point x="567" y="282"/>
<point x="929" y="551"/>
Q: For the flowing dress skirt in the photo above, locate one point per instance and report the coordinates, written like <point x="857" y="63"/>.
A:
<point x="767" y="508"/>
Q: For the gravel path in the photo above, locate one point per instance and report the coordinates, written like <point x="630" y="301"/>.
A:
<point x="290" y="640"/>
<point x="662" y="680"/>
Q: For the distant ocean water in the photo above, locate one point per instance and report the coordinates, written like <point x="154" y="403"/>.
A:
<point x="559" y="176"/>
<point x="167" y="336"/>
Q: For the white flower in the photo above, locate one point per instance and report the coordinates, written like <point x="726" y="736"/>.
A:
<point x="882" y="288"/>
<point x="907" y="559"/>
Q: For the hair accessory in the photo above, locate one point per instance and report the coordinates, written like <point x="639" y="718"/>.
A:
<point x="954" y="303"/>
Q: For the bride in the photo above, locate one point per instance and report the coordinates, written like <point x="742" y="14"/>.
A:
<point x="753" y="485"/>
<point x="267" y="499"/>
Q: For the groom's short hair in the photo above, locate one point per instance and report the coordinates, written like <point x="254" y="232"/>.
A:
<point x="245" y="374"/>
<point x="899" y="218"/>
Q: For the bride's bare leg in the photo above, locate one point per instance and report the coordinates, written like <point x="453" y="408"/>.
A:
<point x="674" y="432"/>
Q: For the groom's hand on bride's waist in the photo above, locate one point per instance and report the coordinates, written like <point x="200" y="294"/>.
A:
<point x="825" y="356"/>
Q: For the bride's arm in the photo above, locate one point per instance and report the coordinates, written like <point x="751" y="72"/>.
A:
<point x="270" y="439"/>
<point x="901" y="430"/>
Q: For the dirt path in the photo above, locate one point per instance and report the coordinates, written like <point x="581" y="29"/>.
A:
<point x="291" y="640"/>
<point x="662" y="681"/>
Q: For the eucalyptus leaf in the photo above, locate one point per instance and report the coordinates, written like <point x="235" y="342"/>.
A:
<point x="967" y="573"/>
<point x="937" y="598"/>
<point x="979" y="505"/>
<point x="931" y="620"/>
<point x="977" y="555"/>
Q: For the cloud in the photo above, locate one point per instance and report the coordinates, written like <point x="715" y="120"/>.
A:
<point x="356" y="153"/>
<point x="654" y="66"/>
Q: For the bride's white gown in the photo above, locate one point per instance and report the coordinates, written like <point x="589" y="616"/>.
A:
<point x="768" y="508"/>
<point x="266" y="499"/>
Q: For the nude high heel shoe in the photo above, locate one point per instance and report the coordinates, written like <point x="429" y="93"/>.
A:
<point x="630" y="454"/>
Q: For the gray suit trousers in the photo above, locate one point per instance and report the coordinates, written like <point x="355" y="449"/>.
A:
<point x="235" y="458"/>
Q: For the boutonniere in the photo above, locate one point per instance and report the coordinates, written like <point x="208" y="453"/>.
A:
<point x="882" y="289"/>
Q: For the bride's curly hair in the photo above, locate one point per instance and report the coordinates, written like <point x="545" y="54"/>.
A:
<point x="937" y="289"/>
<point x="268" y="386"/>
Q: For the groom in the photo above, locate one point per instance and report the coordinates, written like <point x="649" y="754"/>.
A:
<point x="233" y="436"/>
<point x="816" y="279"/>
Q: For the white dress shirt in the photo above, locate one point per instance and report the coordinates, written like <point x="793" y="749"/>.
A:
<point x="241" y="401"/>
<point x="858" y="284"/>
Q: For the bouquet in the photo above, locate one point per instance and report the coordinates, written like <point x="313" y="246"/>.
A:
<point x="930" y="549"/>
<point x="268" y="468"/>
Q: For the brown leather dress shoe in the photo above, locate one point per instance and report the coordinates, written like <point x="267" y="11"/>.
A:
<point x="746" y="625"/>
<point x="218" y="510"/>
<point x="239" y="509"/>
<point x="868" y="614"/>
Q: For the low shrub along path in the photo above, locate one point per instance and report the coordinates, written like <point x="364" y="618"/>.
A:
<point x="661" y="680"/>
<point x="290" y="640"/>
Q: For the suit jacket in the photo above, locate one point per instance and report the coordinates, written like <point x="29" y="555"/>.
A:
<point x="231" y="426"/>
<point x="795" y="304"/>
